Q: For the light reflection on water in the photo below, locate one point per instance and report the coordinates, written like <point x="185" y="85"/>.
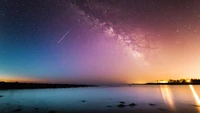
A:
<point x="195" y="96"/>
<point x="167" y="96"/>
<point x="173" y="98"/>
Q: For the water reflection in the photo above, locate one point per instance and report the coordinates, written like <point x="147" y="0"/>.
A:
<point x="195" y="94"/>
<point x="196" y="97"/>
<point x="167" y="96"/>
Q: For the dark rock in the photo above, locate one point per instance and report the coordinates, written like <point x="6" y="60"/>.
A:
<point x="52" y="112"/>
<point x="152" y="104"/>
<point x="121" y="102"/>
<point x="83" y="101"/>
<point x="121" y="106"/>
<point x="161" y="109"/>
<point x="1" y="96"/>
<point x="36" y="109"/>
<point x="17" y="110"/>
<point x="109" y="106"/>
<point x="132" y="104"/>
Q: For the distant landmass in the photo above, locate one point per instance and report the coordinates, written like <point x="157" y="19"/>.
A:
<point x="16" y="85"/>
<point x="172" y="82"/>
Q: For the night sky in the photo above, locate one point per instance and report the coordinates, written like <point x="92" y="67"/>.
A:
<point x="99" y="41"/>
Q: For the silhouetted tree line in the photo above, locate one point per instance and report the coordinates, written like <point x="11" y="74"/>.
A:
<point x="183" y="81"/>
<point x="16" y="85"/>
<point x="178" y="82"/>
<point x="196" y="81"/>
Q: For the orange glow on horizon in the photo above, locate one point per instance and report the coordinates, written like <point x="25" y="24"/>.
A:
<point x="20" y="79"/>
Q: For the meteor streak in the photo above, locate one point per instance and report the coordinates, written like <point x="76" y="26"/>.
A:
<point x="67" y="32"/>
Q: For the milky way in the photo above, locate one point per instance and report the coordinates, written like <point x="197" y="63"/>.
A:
<point x="104" y="17"/>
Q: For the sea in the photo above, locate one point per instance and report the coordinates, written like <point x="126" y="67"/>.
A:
<point x="105" y="99"/>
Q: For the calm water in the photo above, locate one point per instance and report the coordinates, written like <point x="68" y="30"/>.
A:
<point x="183" y="98"/>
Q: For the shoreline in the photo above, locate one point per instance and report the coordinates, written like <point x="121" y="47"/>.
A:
<point x="166" y="84"/>
<point x="16" y="85"/>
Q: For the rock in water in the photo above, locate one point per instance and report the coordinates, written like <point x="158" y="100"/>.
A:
<point x="36" y="109"/>
<point x="52" y="112"/>
<point x="17" y="110"/>
<point x="152" y="104"/>
<point x="161" y="109"/>
<point x="121" y="106"/>
<point x="83" y="101"/>
<point x="132" y="104"/>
